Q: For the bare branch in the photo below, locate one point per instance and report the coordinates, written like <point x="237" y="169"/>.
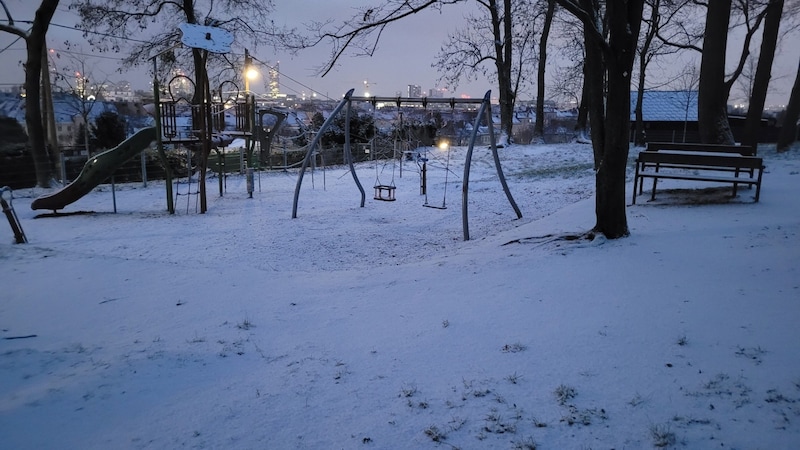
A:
<point x="751" y="30"/>
<point x="362" y="32"/>
<point x="157" y="21"/>
<point x="587" y="18"/>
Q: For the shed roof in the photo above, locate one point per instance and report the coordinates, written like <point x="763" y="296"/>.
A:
<point x="667" y="106"/>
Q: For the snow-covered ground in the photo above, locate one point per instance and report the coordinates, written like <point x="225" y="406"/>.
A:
<point x="379" y="327"/>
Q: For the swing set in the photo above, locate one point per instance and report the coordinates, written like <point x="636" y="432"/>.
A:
<point x="385" y="192"/>
<point x="424" y="180"/>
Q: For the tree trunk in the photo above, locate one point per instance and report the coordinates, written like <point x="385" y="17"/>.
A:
<point x="624" y="23"/>
<point x="594" y="77"/>
<point x="582" y="121"/>
<point x="644" y="58"/>
<point x="712" y="100"/>
<point x="48" y="117"/>
<point x="769" y="41"/>
<point x="638" y="133"/>
<point x="33" y="77"/>
<point x="503" y="61"/>
<point x="609" y="111"/>
<point x="789" y="130"/>
<point x="538" y="127"/>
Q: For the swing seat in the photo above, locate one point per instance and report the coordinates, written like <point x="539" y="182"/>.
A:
<point x="384" y="192"/>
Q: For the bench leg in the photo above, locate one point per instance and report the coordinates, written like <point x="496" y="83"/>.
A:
<point x="655" y="182"/>
<point x="641" y="182"/>
<point x="758" y="183"/>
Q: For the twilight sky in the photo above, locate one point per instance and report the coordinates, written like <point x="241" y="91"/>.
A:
<point x="404" y="55"/>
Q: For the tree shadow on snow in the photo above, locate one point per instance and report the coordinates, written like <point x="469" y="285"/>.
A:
<point x="720" y="195"/>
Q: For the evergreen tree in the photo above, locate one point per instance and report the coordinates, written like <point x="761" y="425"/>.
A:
<point x="108" y="130"/>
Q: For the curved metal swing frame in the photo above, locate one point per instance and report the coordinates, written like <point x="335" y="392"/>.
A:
<point x="484" y="112"/>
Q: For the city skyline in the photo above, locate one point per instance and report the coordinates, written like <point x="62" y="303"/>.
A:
<point x="403" y="57"/>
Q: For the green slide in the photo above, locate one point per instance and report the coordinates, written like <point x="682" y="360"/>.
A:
<point x="97" y="170"/>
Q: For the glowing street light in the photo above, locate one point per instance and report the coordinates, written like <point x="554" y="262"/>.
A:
<point x="366" y="88"/>
<point x="250" y="72"/>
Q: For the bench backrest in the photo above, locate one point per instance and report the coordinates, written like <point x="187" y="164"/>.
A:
<point x="689" y="159"/>
<point x="744" y="150"/>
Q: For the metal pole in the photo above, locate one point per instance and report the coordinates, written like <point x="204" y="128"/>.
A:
<point x="114" y="193"/>
<point x="496" y="157"/>
<point x="249" y="179"/>
<point x="13" y="220"/>
<point x="144" y="169"/>
<point x="311" y="147"/>
<point x="159" y="143"/>
<point x="349" y="153"/>
<point x="485" y="108"/>
<point x="63" y="160"/>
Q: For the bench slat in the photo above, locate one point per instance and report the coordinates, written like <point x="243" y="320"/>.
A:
<point x="695" y="159"/>
<point x="697" y="177"/>
<point x="744" y="150"/>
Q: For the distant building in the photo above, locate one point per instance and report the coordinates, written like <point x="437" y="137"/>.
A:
<point x="669" y="116"/>
<point x="69" y="111"/>
<point x="118" y="92"/>
<point x="437" y="93"/>
<point x="275" y="80"/>
<point x="414" y="91"/>
<point x="69" y="114"/>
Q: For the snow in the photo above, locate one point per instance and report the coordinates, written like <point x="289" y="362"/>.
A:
<point x="379" y="327"/>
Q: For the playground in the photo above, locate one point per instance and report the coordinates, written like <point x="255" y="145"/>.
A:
<point x="261" y="232"/>
<point x="380" y="327"/>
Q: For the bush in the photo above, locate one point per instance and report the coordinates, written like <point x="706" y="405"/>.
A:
<point x="16" y="162"/>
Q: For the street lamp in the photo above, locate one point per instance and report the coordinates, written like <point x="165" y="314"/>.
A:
<point x="250" y="72"/>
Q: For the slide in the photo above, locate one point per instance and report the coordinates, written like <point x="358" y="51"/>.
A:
<point x="97" y="170"/>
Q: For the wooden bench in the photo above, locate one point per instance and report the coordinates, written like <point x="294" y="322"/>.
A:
<point x="699" y="162"/>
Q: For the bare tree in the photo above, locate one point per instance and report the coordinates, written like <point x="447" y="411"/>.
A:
<point x="687" y="82"/>
<point x="36" y="52"/>
<point x="79" y="82"/>
<point x="645" y="56"/>
<point x="569" y="81"/>
<point x="714" y="89"/>
<point x="789" y="130"/>
<point x="538" y="127"/>
<point x="747" y="78"/>
<point x="662" y="15"/>
<point x="503" y="35"/>
<point x="361" y="33"/>
<point x="609" y="61"/>
<point x="141" y="29"/>
<point x="758" y="96"/>
<point x="462" y="57"/>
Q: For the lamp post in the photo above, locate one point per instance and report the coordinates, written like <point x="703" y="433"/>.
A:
<point x="250" y="72"/>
